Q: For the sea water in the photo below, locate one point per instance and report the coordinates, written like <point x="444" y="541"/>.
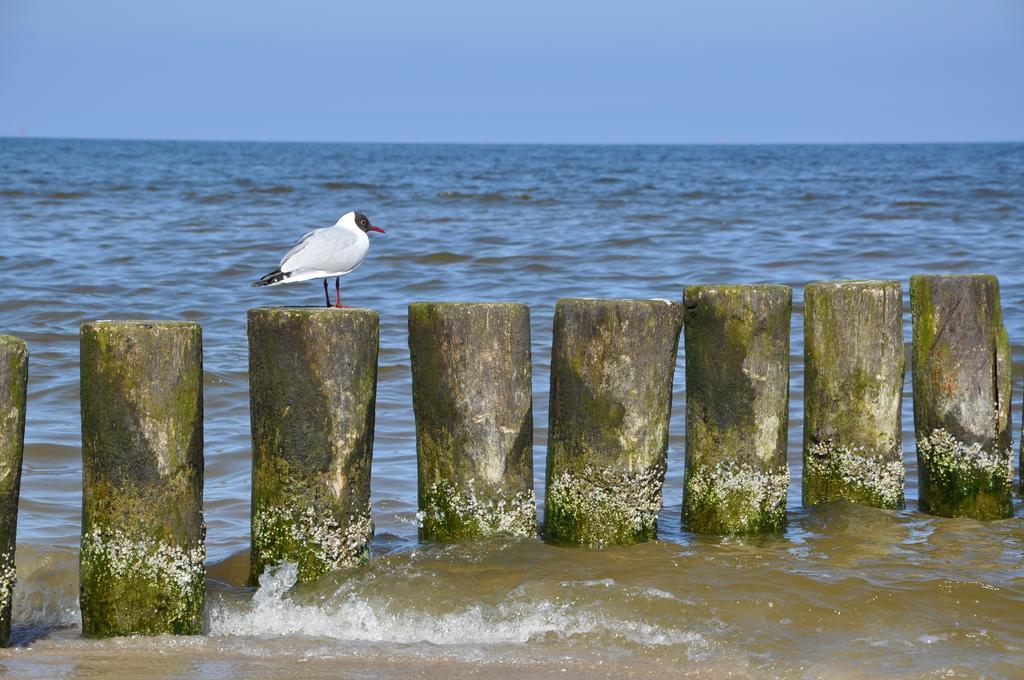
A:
<point x="178" y="230"/>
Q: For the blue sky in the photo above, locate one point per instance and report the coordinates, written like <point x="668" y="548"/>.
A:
<point x="528" y="71"/>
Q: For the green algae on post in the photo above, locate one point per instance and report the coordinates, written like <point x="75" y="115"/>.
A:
<point x="961" y="374"/>
<point x="13" y="384"/>
<point x="143" y="537"/>
<point x="853" y="389"/>
<point x="473" y="399"/>
<point x="612" y="363"/>
<point x="312" y="392"/>
<point x="737" y="398"/>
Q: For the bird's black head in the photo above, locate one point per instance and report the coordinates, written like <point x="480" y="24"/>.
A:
<point x="363" y="222"/>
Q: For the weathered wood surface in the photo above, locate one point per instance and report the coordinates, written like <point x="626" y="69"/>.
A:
<point x="143" y="537"/>
<point x="13" y="385"/>
<point x="737" y="406"/>
<point x="472" y="395"/>
<point x="853" y="392"/>
<point x="961" y="374"/>
<point x="312" y="392"/>
<point x="611" y="398"/>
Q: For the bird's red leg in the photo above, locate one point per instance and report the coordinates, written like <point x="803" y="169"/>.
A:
<point x="327" y="295"/>
<point x="337" y="294"/>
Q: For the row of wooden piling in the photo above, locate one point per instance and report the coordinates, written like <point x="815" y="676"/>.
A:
<point x="313" y="375"/>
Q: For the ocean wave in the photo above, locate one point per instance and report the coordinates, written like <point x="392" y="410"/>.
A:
<point x="51" y="453"/>
<point x="516" y="620"/>
<point x="636" y="190"/>
<point x="341" y="186"/>
<point x="211" y="199"/>
<point x="986" y="192"/>
<point x="66" y="195"/>
<point x="882" y="216"/>
<point x="485" y="197"/>
<point x="46" y="596"/>
<point x="442" y="257"/>
<point x="647" y="217"/>
<point x="703" y="220"/>
<point x="276" y="189"/>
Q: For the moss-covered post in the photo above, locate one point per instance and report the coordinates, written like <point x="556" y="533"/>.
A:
<point x="472" y="393"/>
<point x="13" y="383"/>
<point x="143" y="548"/>
<point x="853" y="391"/>
<point x="961" y="372"/>
<point x="737" y="405"/>
<point x="312" y="392"/>
<point x="611" y="397"/>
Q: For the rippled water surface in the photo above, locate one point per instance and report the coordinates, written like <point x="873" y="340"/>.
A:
<point x="178" y="230"/>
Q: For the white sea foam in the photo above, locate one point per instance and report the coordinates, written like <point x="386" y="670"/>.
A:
<point x="657" y="594"/>
<point x="606" y="582"/>
<point x="518" y="619"/>
<point x="932" y="639"/>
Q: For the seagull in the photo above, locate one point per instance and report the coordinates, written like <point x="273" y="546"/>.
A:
<point x="323" y="253"/>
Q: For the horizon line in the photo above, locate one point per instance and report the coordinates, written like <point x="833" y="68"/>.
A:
<point x="497" y="143"/>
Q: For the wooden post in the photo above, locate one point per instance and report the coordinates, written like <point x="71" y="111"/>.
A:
<point x="853" y="391"/>
<point x="143" y="549"/>
<point x="611" y="397"/>
<point x="961" y="370"/>
<point x="473" y="397"/>
<point x="13" y="383"/>
<point x="312" y="390"/>
<point x="737" y="399"/>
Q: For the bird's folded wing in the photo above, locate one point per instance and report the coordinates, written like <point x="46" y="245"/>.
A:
<point x="321" y="249"/>
<point x="299" y="245"/>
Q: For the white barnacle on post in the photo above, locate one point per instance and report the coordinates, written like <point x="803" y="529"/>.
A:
<point x="312" y="536"/>
<point x="117" y="556"/>
<point x="8" y="579"/>
<point x="950" y="458"/>
<point x="446" y="504"/>
<point x="748" y="497"/>
<point x="605" y="505"/>
<point x="877" y="478"/>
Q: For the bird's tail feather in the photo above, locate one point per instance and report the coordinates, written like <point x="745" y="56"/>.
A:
<point x="276" y="276"/>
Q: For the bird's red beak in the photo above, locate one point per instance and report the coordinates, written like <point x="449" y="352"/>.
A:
<point x="373" y="228"/>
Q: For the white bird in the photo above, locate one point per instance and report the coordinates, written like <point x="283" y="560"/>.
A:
<point x="323" y="253"/>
